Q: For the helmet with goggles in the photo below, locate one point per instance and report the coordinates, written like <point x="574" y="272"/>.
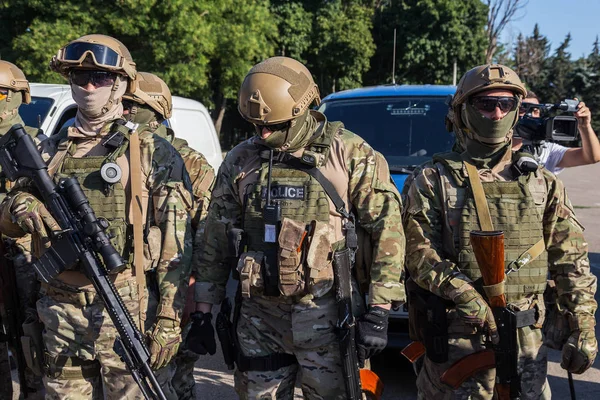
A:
<point x="94" y="52"/>
<point x="12" y="79"/>
<point x="149" y="89"/>
<point x="276" y="91"/>
<point x="484" y="78"/>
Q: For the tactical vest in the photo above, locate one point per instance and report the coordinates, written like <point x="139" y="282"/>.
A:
<point x="516" y="207"/>
<point x="107" y="200"/>
<point x="301" y="196"/>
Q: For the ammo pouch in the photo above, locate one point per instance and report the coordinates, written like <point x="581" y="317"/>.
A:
<point x="33" y="345"/>
<point x="152" y="248"/>
<point x="250" y="268"/>
<point x="319" y="278"/>
<point x="289" y="257"/>
<point x="428" y="322"/>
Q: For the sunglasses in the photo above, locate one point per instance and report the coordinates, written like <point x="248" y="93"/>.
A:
<point x="3" y="94"/>
<point x="103" y="55"/>
<point x="282" y="126"/>
<point x="97" y="78"/>
<point x="489" y="103"/>
<point x="526" y="109"/>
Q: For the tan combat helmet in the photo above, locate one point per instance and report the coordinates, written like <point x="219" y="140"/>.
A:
<point x="277" y="90"/>
<point x="151" y="90"/>
<point x="482" y="78"/>
<point x="13" y="79"/>
<point x="98" y="52"/>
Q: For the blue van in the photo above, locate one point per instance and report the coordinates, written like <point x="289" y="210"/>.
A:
<point x="403" y="122"/>
<point x="406" y="124"/>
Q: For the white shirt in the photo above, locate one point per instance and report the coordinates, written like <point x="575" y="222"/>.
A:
<point x="549" y="155"/>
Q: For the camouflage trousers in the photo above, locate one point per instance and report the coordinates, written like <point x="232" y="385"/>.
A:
<point x="532" y="368"/>
<point x="79" y="337"/>
<point x="305" y="329"/>
<point x="184" y="361"/>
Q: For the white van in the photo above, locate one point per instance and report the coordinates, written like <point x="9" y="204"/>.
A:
<point x="52" y="107"/>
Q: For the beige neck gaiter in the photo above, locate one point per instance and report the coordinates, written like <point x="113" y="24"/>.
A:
<point x="97" y="107"/>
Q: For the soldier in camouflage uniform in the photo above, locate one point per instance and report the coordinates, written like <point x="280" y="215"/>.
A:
<point x="284" y="323"/>
<point x="14" y="91"/>
<point x="541" y="232"/>
<point x="78" y="333"/>
<point x="149" y="105"/>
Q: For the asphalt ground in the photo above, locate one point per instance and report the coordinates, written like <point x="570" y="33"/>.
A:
<point x="583" y="187"/>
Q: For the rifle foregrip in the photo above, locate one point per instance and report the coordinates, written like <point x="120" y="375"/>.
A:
<point x="468" y="366"/>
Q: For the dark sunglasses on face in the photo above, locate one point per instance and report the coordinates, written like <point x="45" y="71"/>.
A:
<point x="527" y="109"/>
<point x="97" y="78"/>
<point x="274" y="127"/>
<point x="489" y="103"/>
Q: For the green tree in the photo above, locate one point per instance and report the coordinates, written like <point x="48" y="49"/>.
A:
<point x="294" y="23"/>
<point x="559" y="69"/>
<point x="431" y="36"/>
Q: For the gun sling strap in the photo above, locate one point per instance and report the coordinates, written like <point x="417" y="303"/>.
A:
<point x="136" y="208"/>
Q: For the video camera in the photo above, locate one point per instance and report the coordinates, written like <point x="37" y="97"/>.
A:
<point x="549" y="126"/>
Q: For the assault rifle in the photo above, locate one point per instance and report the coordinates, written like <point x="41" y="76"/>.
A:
<point x="82" y="240"/>
<point x="10" y="311"/>
<point x="357" y="380"/>
<point x="488" y="248"/>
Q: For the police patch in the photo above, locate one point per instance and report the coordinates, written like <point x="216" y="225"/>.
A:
<point x="279" y="192"/>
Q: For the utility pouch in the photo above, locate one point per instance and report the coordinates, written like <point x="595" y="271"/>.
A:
<point x="318" y="260"/>
<point x="33" y="346"/>
<point x="289" y="258"/>
<point x="249" y="268"/>
<point x="235" y="237"/>
<point x="152" y="248"/>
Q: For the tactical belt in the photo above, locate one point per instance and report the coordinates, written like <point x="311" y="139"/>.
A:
<point x="71" y="368"/>
<point x="271" y="362"/>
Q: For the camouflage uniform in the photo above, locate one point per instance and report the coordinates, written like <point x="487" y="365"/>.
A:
<point x="150" y="103"/>
<point x="286" y="324"/>
<point x="528" y="207"/>
<point x="27" y="283"/>
<point x="79" y="335"/>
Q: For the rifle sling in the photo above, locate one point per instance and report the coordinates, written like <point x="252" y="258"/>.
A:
<point x="481" y="205"/>
<point x="137" y="216"/>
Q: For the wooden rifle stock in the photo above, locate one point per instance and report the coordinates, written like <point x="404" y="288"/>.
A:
<point x="413" y="351"/>
<point x="488" y="247"/>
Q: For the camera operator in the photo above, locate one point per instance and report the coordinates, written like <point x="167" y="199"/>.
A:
<point x="554" y="156"/>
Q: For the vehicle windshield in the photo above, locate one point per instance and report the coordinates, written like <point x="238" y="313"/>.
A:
<point x="406" y="130"/>
<point x="34" y="113"/>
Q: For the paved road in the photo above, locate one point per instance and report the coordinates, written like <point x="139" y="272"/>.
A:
<point x="583" y="187"/>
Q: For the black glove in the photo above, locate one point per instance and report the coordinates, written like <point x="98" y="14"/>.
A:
<point x="201" y="337"/>
<point x="371" y="334"/>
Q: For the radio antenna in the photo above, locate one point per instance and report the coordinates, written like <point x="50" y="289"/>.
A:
<point x="394" y="60"/>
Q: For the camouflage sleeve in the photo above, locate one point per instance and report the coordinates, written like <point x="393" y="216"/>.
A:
<point x="211" y="259"/>
<point x="422" y="219"/>
<point x="378" y="205"/>
<point x="171" y="201"/>
<point x="202" y="176"/>
<point x="568" y="255"/>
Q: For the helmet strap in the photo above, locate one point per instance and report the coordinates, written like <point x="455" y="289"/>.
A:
<point x="111" y="100"/>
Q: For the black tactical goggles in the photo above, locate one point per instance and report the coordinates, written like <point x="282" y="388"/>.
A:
<point x="103" y="55"/>
<point x="489" y="103"/>
<point x="282" y="126"/>
<point x="81" y="77"/>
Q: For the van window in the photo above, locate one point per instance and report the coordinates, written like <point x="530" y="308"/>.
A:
<point x="34" y="113"/>
<point x="194" y="127"/>
<point x="406" y="130"/>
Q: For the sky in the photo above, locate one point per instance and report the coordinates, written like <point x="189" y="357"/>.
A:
<point x="555" y="19"/>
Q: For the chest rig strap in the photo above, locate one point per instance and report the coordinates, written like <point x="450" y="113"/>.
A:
<point x="336" y="199"/>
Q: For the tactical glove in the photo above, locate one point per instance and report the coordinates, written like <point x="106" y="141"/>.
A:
<point x="371" y="335"/>
<point x="474" y="311"/>
<point x="32" y="216"/>
<point x="164" y="342"/>
<point x="201" y="339"/>
<point x="580" y="351"/>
